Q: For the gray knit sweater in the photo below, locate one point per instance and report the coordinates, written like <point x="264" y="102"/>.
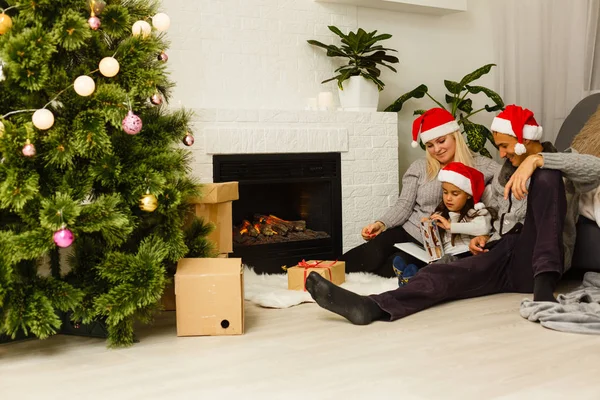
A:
<point x="581" y="173"/>
<point x="420" y="197"/>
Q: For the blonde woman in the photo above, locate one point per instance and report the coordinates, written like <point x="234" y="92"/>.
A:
<point x="421" y="194"/>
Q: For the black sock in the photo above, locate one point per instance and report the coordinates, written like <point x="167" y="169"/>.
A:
<point x="544" y="285"/>
<point x="360" y="310"/>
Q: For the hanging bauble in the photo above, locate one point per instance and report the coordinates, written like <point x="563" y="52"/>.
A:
<point x="148" y="202"/>
<point x="156" y="99"/>
<point x="5" y="23"/>
<point x="43" y="119"/>
<point x="94" y="23"/>
<point x="161" y="22"/>
<point x="28" y="149"/>
<point x="97" y="6"/>
<point x="188" y="139"/>
<point x="109" y="67"/>
<point x="132" y="124"/>
<point x="163" y="57"/>
<point x="141" y="28"/>
<point x="63" y="237"/>
<point x="84" y="85"/>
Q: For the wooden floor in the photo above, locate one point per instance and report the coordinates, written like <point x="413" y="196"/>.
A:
<point x="473" y="349"/>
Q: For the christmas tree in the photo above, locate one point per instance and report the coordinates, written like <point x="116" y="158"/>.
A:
<point x="94" y="180"/>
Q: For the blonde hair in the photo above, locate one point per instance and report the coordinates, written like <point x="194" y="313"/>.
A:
<point x="462" y="154"/>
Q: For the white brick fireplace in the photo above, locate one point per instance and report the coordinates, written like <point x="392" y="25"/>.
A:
<point x="368" y="143"/>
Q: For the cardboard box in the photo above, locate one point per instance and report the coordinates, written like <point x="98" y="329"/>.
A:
<point x="215" y="206"/>
<point x="334" y="271"/>
<point x="168" y="298"/>
<point x="220" y="215"/>
<point x="209" y="296"/>
<point x="213" y="193"/>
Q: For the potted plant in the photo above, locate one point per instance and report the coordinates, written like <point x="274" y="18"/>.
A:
<point x="359" y="80"/>
<point x="461" y="107"/>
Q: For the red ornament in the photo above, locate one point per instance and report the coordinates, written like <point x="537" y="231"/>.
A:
<point x="132" y="124"/>
<point x="94" y="23"/>
<point x="188" y="140"/>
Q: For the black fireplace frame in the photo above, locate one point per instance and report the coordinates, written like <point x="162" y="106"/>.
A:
<point x="301" y="167"/>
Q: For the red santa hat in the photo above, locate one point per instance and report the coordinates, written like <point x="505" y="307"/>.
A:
<point x="518" y="122"/>
<point x="433" y="124"/>
<point x="466" y="179"/>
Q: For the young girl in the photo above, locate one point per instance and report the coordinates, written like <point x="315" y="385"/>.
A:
<point x="461" y="216"/>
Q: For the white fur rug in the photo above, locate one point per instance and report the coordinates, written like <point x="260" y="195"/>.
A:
<point x="271" y="290"/>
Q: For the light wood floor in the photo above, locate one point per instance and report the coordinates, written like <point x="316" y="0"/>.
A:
<point x="473" y="349"/>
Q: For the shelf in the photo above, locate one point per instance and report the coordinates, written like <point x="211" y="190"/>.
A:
<point x="432" y="7"/>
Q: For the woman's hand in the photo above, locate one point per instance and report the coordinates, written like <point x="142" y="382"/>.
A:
<point x="477" y="243"/>
<point x="441" y="221"/>
<point x="372" y="230"/>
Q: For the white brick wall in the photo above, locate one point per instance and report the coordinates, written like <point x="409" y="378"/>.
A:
<point x="229" y="53"/>
<point x="367" y="143"/>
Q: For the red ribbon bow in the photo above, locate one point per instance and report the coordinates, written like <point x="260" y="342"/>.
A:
<point x="316" y="264"/>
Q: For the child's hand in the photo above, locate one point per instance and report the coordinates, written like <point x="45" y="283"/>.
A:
<point x="441" y="221"/>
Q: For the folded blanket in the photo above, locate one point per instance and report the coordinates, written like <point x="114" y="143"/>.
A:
<point x="577" y="311"/>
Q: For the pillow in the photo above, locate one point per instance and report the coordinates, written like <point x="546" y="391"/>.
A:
<point x="587" y="140"/>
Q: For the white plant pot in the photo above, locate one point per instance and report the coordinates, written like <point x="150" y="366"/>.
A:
<point x="359" y="94"/>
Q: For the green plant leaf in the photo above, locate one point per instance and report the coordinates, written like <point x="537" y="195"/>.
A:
<point x="338" y="32"/>
<point x="419" y="112"/>
<point x="494" y="108"/>
<point x="478" y="73"/>
<point x="332" y="51"/>
<point x="453" y="87"/>
<point x="475" y="135"/>
<point x="495" y="97"/>
<point x="416" y="93"/>
<point x="465" y="105"/>
<point x="484" y="152"/>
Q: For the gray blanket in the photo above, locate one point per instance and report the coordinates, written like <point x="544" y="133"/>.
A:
<point x="577" y="311"/>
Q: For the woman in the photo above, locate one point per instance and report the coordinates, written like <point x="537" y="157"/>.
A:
<point x="421" y="194"/>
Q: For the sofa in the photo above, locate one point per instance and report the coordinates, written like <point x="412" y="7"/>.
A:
<point x="587" y="246"/>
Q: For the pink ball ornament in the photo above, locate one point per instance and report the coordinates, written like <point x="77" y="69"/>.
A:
<point x="132" y="124"/>
<point x="163" y="57"/>
<point x="28" y="149"/>
<point x="94" y="23"/>
<point x="156" y="99"/>
<point x="188" y="140"/>
<point x="63" y="237"/>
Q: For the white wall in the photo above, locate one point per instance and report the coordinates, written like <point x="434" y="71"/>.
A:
<point x="252" y="54"/>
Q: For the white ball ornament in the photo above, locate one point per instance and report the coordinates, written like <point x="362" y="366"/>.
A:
<point x="43" y="119"/>
<point x="141" y="28"/>
<point x="84" y="85"/>
<point x="109" y="67"/>
<point x="161" y="22"/>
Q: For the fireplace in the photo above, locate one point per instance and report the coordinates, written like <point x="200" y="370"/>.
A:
<point x="289" y="207"/>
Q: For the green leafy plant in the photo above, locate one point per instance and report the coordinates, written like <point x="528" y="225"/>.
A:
<point x="363" y="55"/>
<point x="461" y="107"/>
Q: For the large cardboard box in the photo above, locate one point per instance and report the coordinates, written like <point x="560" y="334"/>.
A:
<point x="334" y="271"/>
<point x="216" y="207"/>
<point x="209" y="294"/>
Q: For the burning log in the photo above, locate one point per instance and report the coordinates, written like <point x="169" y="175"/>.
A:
<point x="278" y="223"/>
<point x="248" y="229"/>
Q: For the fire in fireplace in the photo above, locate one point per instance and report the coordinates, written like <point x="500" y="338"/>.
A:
<point x="289" y="207"/>
<point x="272" y="229"/>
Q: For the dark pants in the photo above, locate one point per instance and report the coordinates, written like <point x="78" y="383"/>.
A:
<point x="377" y="254"/>
<point x="510" y="266"/>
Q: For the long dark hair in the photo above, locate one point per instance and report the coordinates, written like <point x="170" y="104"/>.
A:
<point x="464" y="213"/>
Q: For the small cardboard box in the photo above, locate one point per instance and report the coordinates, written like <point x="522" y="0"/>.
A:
<point x="215" y="206"/>
<point x="334" y="271"/>
<point x="209" y="293"/>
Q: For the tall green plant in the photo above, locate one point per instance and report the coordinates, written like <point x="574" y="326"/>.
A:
<point x="459" y="103"/>
<point x="362" y="54"/>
